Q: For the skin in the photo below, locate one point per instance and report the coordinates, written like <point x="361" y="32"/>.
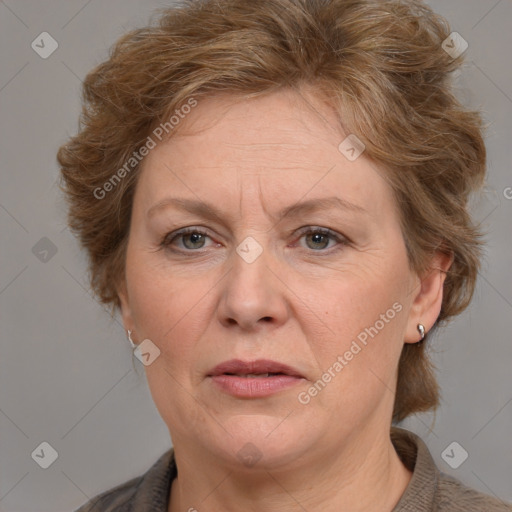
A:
<point x="301" y="302"/>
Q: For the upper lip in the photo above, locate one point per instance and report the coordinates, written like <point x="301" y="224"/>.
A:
<point x="239" y="367"/>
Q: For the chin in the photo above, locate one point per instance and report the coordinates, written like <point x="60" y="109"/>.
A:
<point x="262" y="441"/>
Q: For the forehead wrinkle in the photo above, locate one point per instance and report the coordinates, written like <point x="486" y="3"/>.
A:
<point x="260" y="196"/>
<point x="293" y="142"/>
<point x="264" y="145"/>
<point x="265" y="162"/>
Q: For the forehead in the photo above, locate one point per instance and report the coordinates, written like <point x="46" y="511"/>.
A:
<point x="286" y="121"/>
<point x="285" y="144"/>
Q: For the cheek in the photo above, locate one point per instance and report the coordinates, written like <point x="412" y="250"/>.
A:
<point x="174" y="400"/>
<point x="360" y="317"/>
<point x="172" y="312"/>
<point x="162" y="300"/>
<point x="351" y="301"/>
<point x="358" y="357"/>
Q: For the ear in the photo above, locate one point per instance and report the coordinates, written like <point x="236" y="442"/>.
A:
<point x="428" y="297"/>
<point x="126" y="312"/>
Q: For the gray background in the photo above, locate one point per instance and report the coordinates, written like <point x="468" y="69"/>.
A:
<point x="67" y="374"/>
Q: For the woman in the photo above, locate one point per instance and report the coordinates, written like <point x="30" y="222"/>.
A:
<point x="273" y="194"/>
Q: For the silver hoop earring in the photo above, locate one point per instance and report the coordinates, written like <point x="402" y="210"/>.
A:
<point x="421" y="330"/>
<point x="130" y="338"/>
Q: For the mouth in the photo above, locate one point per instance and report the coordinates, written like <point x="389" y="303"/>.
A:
<point x="259" y="368"/>
<point x="250" y="375"/>
<point x="254" y="379"/>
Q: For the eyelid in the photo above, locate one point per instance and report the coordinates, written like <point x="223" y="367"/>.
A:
<point x="339" y="238"/>
<point x="321" y="229"/>
<point x="169" y="238"/>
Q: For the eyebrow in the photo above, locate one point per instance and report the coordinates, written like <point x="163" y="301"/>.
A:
<point x="208" y="210"/>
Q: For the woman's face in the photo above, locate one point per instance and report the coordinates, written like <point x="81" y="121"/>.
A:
<point x="258" y="277"/>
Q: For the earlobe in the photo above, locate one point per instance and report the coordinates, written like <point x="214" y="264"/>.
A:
<point x="125" y="307"/>
<point x="428" y="298"/>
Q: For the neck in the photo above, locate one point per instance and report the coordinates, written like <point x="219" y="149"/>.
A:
<point x="364" y="474"/>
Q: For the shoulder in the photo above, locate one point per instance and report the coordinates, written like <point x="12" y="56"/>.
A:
<point x="430" y="490"/>
<point x="117" y="499"/>
<point x="146" y="493"/>
<point x="454" y="496"/>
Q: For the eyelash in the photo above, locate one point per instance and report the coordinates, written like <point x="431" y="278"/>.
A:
<point x="167" y="241"/>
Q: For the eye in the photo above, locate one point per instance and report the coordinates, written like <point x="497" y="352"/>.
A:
<point x="319" y="239"/>
<point x="191" y="238"/>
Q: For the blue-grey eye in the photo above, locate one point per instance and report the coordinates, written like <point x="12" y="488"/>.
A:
<point x="197" y="240"/>
<point x="318" y="238"/>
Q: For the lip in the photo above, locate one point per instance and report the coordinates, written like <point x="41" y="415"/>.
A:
<point x="231" y="377"/>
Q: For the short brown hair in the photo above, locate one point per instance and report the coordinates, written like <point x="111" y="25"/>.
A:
<point x="379" y="64"/>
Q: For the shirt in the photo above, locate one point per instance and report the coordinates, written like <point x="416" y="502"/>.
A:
<point x="429" y="490"/>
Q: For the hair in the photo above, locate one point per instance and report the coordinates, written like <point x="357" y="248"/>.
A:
<point x="379" y="64"/>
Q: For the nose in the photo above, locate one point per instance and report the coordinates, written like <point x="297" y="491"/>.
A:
<point x="254" y="296"/>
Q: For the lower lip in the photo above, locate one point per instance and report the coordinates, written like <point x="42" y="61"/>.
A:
<point x="254" y="387"/>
